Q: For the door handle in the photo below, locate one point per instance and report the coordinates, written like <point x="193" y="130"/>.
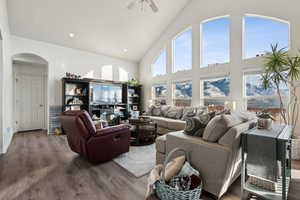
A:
<point x="41" y="105"/>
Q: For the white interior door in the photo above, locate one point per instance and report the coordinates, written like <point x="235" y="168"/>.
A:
<point x="30" y="102"/>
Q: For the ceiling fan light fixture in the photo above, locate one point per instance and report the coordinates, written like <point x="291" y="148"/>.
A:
<point x="143" y="4"/>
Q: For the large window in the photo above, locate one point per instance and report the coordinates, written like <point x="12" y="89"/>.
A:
<point x="215" y="42"/>
<point x="260" y="33"/>
<point x="159" y="94"/>
<point x="182" y="93"/>
<point x="215" y="92"/>
<point x="259" y="99"/>
<point x="182" y="47"/>
<point x="160" y="65"/>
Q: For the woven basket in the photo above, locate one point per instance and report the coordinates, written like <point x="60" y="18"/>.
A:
<point x="166" y="192"/>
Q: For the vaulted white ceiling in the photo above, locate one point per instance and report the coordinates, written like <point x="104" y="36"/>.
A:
<point x="100" y="26"/>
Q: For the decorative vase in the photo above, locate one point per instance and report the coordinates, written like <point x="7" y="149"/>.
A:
<point x="296" y="149"/>
<point x="264" y="123"/>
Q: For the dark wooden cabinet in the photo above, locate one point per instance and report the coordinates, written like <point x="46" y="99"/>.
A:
<point x="77" y="95"/>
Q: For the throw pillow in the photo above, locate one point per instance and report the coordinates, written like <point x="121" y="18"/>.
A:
<point x="156" y="111"/>
<point x="188" y="112"/>
<point x="201" y="110"/>
<point x="244" y="116"/>
<point x="175" y="113"/>
<point x="192" y="125"/>
<point x="231" y="120"/>
<point x="195" y="126"/>
<point x="224" y="112"/>
<point x="174" y="167"/>
<point x="149" y="110"/>
<point x="188" y="170"/>
<point x="215" y="129"/>
<point x="164" y="110"/>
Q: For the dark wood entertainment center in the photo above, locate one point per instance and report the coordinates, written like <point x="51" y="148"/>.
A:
<point x="77" y="95"/>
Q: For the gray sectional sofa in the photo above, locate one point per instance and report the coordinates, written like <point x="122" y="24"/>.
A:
<point x="218" y="162"/>
<point x="171" y="118"/>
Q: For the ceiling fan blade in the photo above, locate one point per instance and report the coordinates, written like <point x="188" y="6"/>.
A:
<point x="132" y="4"/>
<point x="153" y="5"/>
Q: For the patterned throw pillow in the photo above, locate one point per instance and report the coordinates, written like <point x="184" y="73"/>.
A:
<point x="156" y="111"/>
<point x="195" y="126"/>
<point x="175" y="113"/>
<point x="192" y="125"/>
<point x="189" y="112"/>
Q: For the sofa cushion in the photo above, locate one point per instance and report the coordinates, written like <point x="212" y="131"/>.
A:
<point x="233" y="133"/>
<point x="245" y="115"/>
<point x="175" y="113"/>
<point x="156" y="111"/>
<point x="164" y="110"/>
<point x="192" y="126"/>
<point x="188" y="112"/>
<point x="201" y="110"/>
<point x="195" y="126"/>
<point x="176" y="125"/>
<point x="215" y="129"/>
<point x="231" y="120"/>
<point x="160" y="121"/>
<point x="149" y="110"/>
<point x="160" y="144"/>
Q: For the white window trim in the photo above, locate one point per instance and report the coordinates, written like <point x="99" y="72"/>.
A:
<point x="180" y="81"/>
<point x="261" y="17"/>
<point x="153" y="97"/>
<point x="173" y="50"/>
<point x="201" y="41"/>
<point x="155" y="59"/>
<point x="202" y="97"/>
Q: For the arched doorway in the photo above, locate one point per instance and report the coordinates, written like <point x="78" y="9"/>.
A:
<point x="30" y="92"/>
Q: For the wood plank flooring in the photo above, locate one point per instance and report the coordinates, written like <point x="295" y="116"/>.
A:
<point x="38" y="166"/>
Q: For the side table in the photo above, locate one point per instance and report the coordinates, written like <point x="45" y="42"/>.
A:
<point x="266" y="154"/>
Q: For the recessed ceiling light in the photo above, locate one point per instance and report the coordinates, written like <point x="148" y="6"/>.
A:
<point x="125" y="50"/>
<point x="71" y="35"/>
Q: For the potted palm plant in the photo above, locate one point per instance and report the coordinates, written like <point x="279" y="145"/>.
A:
<point x="282" y="68"/>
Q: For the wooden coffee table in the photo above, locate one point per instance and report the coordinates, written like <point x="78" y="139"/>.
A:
<point x="143" y="131"/>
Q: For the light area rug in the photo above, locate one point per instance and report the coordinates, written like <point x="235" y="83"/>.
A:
<point x="139" y="161"/>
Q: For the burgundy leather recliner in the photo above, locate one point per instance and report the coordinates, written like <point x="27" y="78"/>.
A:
<point x="95" y="145"/>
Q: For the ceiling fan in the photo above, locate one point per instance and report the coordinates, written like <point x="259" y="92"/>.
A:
<point x="143" y="4"/>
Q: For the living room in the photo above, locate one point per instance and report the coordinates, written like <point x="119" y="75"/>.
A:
<point x="212" y="79"/>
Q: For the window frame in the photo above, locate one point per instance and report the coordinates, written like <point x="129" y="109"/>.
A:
<point x="202" y="43"/>
<point x="153" y="96"/>
<point x="246" y="98"/>
<point x="203" y="97"/>
<point x="174" y="48"/>
<point x="267" y="18"/>
<point x="156" y="58"/>
<point x="174" y="90"/>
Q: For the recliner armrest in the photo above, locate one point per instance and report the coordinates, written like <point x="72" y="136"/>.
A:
<point x="111" y="130"/>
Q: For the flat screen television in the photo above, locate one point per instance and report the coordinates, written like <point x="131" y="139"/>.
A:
<point x="103" y="93"/>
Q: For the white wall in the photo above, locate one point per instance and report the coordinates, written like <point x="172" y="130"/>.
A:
<point x="61" y="60"/>
<point x="6" y="83"/>
<point x="198" y="11"/>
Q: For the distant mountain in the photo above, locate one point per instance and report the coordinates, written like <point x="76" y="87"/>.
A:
<point x="217" y="88"/>
<point x="258" y="90"/>
<point x="183" y="91"/>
